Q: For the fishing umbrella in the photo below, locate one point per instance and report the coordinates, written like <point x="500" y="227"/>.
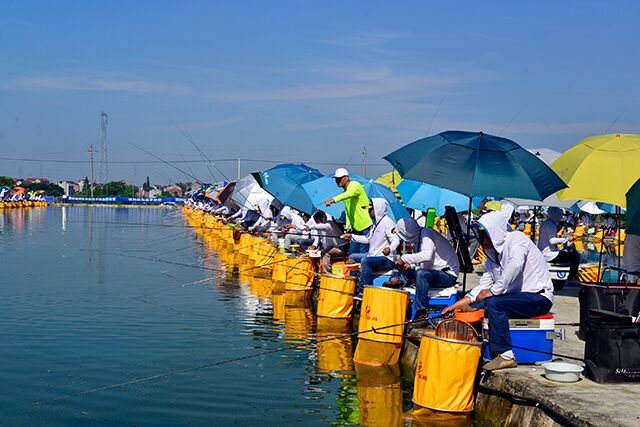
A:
<point x="548" y="156"/>
<point x="420" y="196"/>
<point x="476" y="164"/>
<point x="248" y="193"/>
<point x="600" y="168"/>
<point x="225" y="193"/>
<point x="633" y="209"/>
<point x="390" y="179"/>
<point x="325" y="188"/>
<point x="285" y="183"/>
<point x="590" y="208"/>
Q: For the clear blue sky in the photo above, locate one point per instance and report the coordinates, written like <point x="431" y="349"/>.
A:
<point x="305" y="81"/>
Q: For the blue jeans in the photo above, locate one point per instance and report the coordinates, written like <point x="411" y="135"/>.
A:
<point x="426" y="279"/>
<point x="370" y="266"/>
<point x="500" y="308"/>
<point x="359" y="248"/>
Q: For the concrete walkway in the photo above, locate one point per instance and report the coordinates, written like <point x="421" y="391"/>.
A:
<point x="583" y="403"/>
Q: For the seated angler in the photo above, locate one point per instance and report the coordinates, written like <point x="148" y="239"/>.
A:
<point x="549" y="241"/>
<point x="382" y="243"/>
<point x="326" y="232"/>
<point x="433" y="263"/>
<point x="515" y="285"/>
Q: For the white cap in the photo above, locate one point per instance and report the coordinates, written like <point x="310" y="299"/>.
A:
<point x="340" y="172"/>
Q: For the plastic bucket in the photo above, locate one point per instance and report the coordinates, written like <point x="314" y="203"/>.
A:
<point x="446" y="373"/>
<point x="279" y="270"/>
<point x="299" y="274"/>
<point x="382" y="307"/>
<point x="335" y="296"/>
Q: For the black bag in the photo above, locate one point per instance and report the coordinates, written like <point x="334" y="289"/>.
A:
<point x="621" y="299"/>
<point x="612" y="351"/>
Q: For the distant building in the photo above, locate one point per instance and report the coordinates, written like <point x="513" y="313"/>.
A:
<point x="154" y="192"/>
<point x="33" y="181"/>
<point x="174" y="190"/>
<point x="70" y="188"/>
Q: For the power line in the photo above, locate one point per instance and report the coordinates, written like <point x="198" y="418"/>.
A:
<point x="183" y="161"/>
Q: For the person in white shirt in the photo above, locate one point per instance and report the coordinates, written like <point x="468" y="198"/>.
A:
<point x="266" y="216"/>
<point x="433" y="262"/>
<point x="515" y="285"/>
<point x="548" y="243"/>
<point x="326" y="233"/>
<point x="382" y="244"/>
<point x="295" y="229"/>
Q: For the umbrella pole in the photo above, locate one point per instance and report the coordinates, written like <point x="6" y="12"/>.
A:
<point x="535" y="222"/>
<point x="464" y="277"/>
<point x="600" y="258"/>
<point x="618" y="235"/>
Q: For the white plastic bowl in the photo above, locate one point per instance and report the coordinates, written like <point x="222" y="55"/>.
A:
<point x="562" y="372"/>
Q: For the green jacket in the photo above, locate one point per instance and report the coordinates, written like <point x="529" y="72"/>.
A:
<point x="356" y="205"/>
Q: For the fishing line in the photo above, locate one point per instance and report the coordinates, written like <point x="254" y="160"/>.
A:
<point x="512" y="119"/>
<point x="434" y="116"/>
<point x="188" y="137"/>
<point x="614" y="122"/>
<point x="174" y="372"/>
<point x="165" y="162"/>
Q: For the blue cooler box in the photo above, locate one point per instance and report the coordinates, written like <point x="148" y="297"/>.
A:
<point x="536" y="334"/>
<point x="435" y="305"/>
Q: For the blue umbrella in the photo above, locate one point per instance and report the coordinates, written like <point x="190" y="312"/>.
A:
<point x="325" y="188"/>
<point x="285" y="183"/>
<point x="476" y="164"/>
<point x="420" y="196"/>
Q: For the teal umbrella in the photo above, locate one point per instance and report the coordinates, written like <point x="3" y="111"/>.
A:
<point x="633" y="209"/>
<point x="285" y="181"/>
<point x="476" y="164"/>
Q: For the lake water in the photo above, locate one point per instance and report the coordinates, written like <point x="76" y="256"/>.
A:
<point x="88" y="299"/>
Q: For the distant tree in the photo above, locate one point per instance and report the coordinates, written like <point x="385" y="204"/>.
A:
<point x="147" y="185"/>
<point x="49" y="188"/>
<point x="6" y="181"/>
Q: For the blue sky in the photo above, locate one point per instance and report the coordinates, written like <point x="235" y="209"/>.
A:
<point x="304" y="81"/>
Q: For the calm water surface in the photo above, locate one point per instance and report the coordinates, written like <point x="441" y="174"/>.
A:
<point x="84" y="305"/>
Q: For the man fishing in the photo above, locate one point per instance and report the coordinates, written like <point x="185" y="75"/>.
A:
<point x="515" y="285"/>
<point x="356" y="207"/>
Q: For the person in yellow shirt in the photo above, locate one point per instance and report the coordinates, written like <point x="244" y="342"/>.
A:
<point x="356" y="207"/>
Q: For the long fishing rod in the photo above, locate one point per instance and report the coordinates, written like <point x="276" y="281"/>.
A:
<point x="188" y="137"/>
<point x="167" y="163"/>
<point x="216" y="363"/>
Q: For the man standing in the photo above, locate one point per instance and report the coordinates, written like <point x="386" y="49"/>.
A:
<point x="356" y="206"/>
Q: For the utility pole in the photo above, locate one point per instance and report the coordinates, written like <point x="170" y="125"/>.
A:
<point x="91" y="151"/>
<point x="364" y="163"/>
<point x="238" y="169"/>
<point x="103" y="170"/>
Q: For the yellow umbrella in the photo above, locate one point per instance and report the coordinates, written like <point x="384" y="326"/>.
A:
<point x="600" y="168"/>
<point x="390" y="179"/>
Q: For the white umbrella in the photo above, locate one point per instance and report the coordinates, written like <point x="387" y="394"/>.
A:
<point x="590" y="208"/>
<point x="248" y="193"/>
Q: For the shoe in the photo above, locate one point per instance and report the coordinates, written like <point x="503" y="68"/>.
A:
<point x="500" y="363"/>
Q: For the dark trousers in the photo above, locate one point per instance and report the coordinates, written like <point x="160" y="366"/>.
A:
<point x="371" y="266"/>
<point x="573" y="259"/>
<point x="500" y="308"/>
<point x="426" y="279"/>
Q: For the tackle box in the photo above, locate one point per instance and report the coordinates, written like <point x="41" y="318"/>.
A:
<point x="532" y="339"/>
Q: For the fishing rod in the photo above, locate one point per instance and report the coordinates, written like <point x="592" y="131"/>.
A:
<point x="188" y="137"/>
<point x="167" y="163"/>
<point x="214" y="363"/>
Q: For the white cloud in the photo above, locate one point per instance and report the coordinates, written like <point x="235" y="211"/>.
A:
<point x="94" y="85"/>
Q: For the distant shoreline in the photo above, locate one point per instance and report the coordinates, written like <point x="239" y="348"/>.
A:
<point x="112" y="205"/>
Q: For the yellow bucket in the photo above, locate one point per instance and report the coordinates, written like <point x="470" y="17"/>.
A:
<point x="380" y="395"/>
<point x="446" y="374"/>
<point x="279" y="273"/>
<point x="299" y="274"/>
<point x="335" y="296"/>
<point x="382" y="307"/>
<point x="376" y="353"/>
